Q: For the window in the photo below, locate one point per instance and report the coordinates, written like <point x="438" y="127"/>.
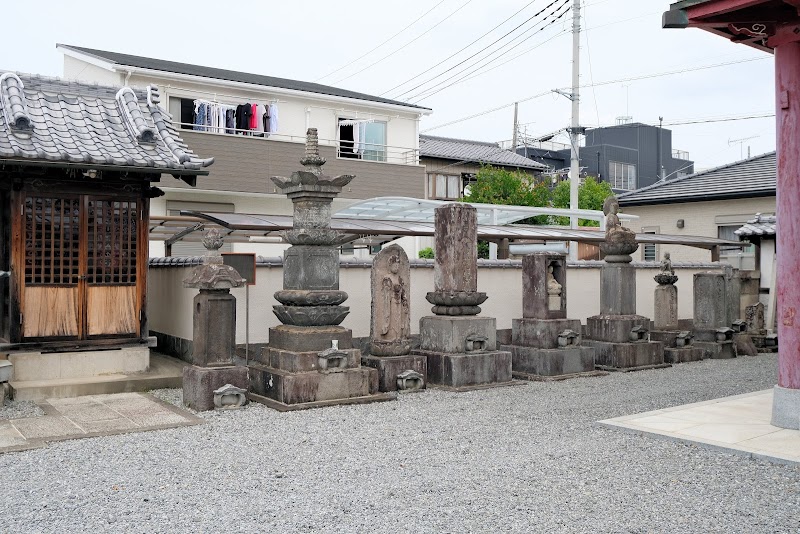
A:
<point x="182" y="110"/>
<point x="362" y="139"/>
<point x="621" y="175"/>
<point x="444" y="186"/>
<point x="650" y="250"/>
<point x="739" y="258"/>
<point x="195" y="247"/>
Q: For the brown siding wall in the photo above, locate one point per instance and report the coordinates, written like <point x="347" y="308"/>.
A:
<point x="246" y="164"/>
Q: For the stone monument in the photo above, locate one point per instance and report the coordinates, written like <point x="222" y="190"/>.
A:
<point x="459" y="345"/>
<point x="756" y="327"/>
<point x="310" y="360"/>
<point x="214" y="327"/>
<point x="390" y="324"/>
<point x="620" y="337"/>
<point x="712" y="331"/>
<point x="545" y="345"/>
<point x="677" y="344"/>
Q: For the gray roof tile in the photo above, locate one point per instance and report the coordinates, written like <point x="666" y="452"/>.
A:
<point x="473" y="151"/>
<point x="743" y="179"/>
<point x="72" y="122"/>
<point x="229" y="75"/>
<point x="760" y="225"/>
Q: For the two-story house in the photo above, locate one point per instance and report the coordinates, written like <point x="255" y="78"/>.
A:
<point x="374" y="138"/>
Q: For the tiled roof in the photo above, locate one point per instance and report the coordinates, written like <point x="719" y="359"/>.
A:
<point x="229" y="75"/>
<point x="55" y="122"/>
<point x="752" y="177"/>
<point x="473" y="151"/>
<point x="759" y="225"/>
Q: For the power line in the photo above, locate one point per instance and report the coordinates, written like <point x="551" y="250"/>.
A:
<point x="459" y="51"/>
<point x="477" y="67"/>
<point x="387" y="56"/>
<point x="485" y="112"/>
<point x="383" y="43"/>
<point x="485" y="49"/>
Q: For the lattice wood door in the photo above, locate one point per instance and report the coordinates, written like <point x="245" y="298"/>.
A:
<point x="80" y="267"/>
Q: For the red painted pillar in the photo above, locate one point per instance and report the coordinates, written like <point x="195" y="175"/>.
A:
<point x="787" y="90"/>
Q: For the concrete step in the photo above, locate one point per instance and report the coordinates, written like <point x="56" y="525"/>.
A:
<point x="164" y="372"/>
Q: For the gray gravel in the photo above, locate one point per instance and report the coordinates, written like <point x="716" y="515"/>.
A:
<point x="19" y="409"/>
<point x="518" y="459"/>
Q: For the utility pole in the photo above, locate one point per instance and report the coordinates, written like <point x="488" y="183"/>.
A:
<point x="574" y="164"/>
<point x="659" y="166"/>
<point x="516" y="128"/>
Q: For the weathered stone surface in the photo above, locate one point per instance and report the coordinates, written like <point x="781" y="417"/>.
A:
<point x="309" y="338"/>
<point x="460" y="370"/>
<point x="683" y="355"/>
<point x="311" y="315"/>
<point x="627" y="355"/>
<point x="616" y="328"/>
<point x="301" y="362"/>
<point x="541" y="333"/>
<point x="620" y="241"/>
<point x="618" y="289"/>
<point x="214" y="327"/>
<point x="390" y="367"/>
<point x="456" y="260"/>
<point x="734" y="293"/>
<point x="199" y="384"/>
<point x="213" y="273"/>
<point x="710" y="301"/>
<point x="229" y="397"/>
<point x="754" y="317"/>
<point x="390" y="320"/>
<point x="302" y="297"/>
<point x="744" y="344"/>
<point x="311" y="267"/>
<point x="296" y="388"/>
<point x="716" y="351"/>
<point x="544" y="286"/>
<point x="666" y="307"/>
<point x="449" y="334"/>
<point x="550" y="362"/>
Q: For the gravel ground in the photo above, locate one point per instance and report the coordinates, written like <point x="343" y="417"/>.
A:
<point x="517" y="459"/>
<point x="19" y="409"/>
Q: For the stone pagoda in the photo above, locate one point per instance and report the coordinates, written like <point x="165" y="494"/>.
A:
<point x="310" y="360"/>
<point x="390" y="324"/>
<point x="545" y="345"/>
<point x="678" y="346"/>
<point x="620" y="337"/>
<point x="461" y="347"/>
<point x="214" y="327"/>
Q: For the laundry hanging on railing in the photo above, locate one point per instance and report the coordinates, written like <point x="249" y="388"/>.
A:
<point x="244" y="119"/>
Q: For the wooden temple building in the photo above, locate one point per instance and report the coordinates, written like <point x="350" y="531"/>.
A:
<point x="78" y="164"/>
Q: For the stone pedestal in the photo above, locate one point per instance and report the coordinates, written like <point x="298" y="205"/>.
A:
<point x="199" y="384"/>
<point x="666" y="307"/>
<point x="678" y="346"/>
<point x="618" y="289"/>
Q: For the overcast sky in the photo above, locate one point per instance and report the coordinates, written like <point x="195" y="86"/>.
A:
<point x="307" y="40"/>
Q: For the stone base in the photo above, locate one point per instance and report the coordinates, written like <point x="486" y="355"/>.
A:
<point x="627" y="356"/>
<point x="459" y="370"/>
<point x="29" y="366"/>
<point x="199" y="384"/>
<point x="716" y="351"/>
<point x="309" y="338"/>
<point x="301" y="362"/>
<point x="744" y="345"/>
<point x="448" y="334"/>
<point x="765" y="343"/>
<point x="550" y="362"/>
<point x="786" y="408"/>
<point x="281" y="407"/>
<point x="390" y="366"/>
<point x="614" y="328"/>
<point x="683" y="355"/>
<point x="314" y="386"/>
<point x="541" y="333"/>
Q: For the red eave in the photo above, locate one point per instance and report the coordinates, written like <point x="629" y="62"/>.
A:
<point x="719" y="7"/>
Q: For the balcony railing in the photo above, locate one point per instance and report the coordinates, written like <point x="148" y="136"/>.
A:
<point x="344" y="149"/>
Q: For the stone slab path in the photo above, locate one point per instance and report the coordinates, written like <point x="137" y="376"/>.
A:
<point x="91" y="416"/>
<point x="739" y="424"/>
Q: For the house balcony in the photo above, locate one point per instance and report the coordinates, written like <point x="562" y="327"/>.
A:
<point x="245" y="163"/>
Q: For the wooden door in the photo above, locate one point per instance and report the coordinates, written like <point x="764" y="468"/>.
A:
<point x="81" y="267"/>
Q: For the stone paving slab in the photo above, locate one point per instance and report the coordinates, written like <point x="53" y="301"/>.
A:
<point x="92" y="416"/>
<point x="738" y="424"/>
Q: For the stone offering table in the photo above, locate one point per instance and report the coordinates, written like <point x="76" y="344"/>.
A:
<point x="545" y="345"/>
<point x="712" y="330"/>
<point x="620" y="337"/>
<point x="390" y="324"/>
<point x="460" y="347"/>
<point x="214" y="327"/>
<point x="310" y="360"/>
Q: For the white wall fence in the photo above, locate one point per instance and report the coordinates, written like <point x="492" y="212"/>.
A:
<point x="170" y="304"/>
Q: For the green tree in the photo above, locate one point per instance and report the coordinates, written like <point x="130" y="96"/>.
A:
<point x="591" y="195"/>
<point x="426" y="253"/>
<point x="494" y="185"/>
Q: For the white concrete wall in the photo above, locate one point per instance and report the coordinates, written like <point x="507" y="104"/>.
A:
<point x="170" y="305"/>
<point x="700" y="219"/>
<point x="75" y="69"/>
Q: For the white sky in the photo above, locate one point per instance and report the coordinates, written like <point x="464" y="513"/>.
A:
<point x="307" y="39"/>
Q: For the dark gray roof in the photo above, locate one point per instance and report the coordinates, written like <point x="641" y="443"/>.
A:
<point x="49" y="121"/>
<point x="230" y="75"/>
<point x="473" y="151"/>
<point x="760" y="225"/>
<point x="754" y="177"/>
